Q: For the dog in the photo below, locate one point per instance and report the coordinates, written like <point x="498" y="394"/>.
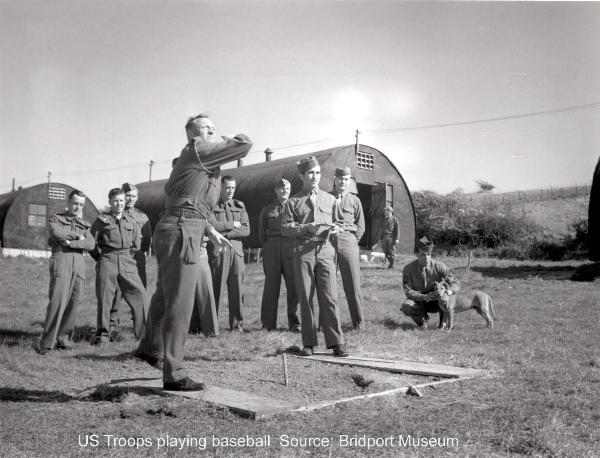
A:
<point x="451" y="303"/>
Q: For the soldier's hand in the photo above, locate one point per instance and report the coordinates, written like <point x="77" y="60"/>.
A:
<point x="311" y="228"/>
<point x="217" y="238"/>
<point x="237" y="224"/>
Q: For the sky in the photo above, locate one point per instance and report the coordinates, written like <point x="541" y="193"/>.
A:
<point x="508" y="93"/>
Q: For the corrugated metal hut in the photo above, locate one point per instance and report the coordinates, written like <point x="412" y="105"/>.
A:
<point x="594" y="216"/>
<point x="24" y="214"/>
<point x="378" y="183"/>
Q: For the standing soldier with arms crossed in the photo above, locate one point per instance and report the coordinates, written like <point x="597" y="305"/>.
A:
<point x="69" y="239"/>
<point x="278" y="254"/>
<point x="191" y="192"/>
<point x="227" y="262"/>
<point x="389" y="235"/>
<point x="308" y="219"/>
<point x="117" y="237"/>
<point x="349" y="217"/>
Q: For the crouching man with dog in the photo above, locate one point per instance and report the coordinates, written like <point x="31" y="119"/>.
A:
<point x="422" y="280"/>
<point x="430" y="287"/>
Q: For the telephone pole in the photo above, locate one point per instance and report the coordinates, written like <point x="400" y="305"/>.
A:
<point x="150" y="164"/>
<point x="356" y="133"/>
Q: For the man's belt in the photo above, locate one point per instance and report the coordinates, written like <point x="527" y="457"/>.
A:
<point x="314" y="239"/>
<point x="116" y="251"/>
<point x="184" y="213"/>
<point x="65" y="249"/>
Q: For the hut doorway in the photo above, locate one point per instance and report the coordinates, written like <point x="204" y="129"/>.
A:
<point x="374" y="198"/>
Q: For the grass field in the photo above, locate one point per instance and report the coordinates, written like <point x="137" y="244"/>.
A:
<point x="541" y="397"/>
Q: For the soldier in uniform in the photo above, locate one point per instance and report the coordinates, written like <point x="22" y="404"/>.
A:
<point x="349" y="217"/>
<point x="117" y="237"/>
<point x="278" y="254"/>
<point x="69" y="239"/>
<point x="192" y="191"/>
<point x="131" y="197"/>
<point x="227" y="262"/>
<point x="419" y="279"/>
<point x="308" y="220"/>
<point x="389" y="235"/>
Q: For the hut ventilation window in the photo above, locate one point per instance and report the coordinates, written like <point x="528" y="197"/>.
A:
<point x="364" y="160"/>
<point x="37" y="215"/>
<point x="57" y="193"/>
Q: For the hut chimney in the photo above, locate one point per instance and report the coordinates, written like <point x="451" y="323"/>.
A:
<point x="268" y="154"/>
<point x="13" y="185"/>
<point x="240" y="162"/>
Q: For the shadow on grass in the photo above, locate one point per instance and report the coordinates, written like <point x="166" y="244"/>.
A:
<point x="25" y="395"/>
<point x="100" y="393"/>
<point x="118" y="357"/>
<point x="524" y="272"/>
<point x="392" y="324"/>
<point x="16" y="337"/>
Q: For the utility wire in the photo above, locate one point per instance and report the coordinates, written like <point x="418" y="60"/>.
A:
<point x="587" y="106"/>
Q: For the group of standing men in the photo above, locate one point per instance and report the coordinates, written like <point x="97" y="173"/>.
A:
<point x="305" y="237"/>
<point x="118" y="240"/>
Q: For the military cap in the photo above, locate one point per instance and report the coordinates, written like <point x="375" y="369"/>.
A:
<point x="281" y="183"/>
<point x="306" y="164"/>
<point x="343" y="172"/>
<point x="425" y="244"/>
<point x="128" y="187"/>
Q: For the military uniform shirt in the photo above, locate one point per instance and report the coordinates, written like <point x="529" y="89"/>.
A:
<point x="269" y="221"/>
<point x="144" y="225"/>
<point x="305" y="208"/>
<point x="418" y="280"/>
<point x="65" y="226"/>
<point x="390" y="228"/>
<point x="194" y="183"/>
<point x="348" y="213"/>
<point x="114" y="234"/>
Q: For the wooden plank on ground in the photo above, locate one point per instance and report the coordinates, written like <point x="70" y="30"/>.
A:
<point x="397" y="366"/>
<point x="246" y="404"/>
<point x="400" y="389"/>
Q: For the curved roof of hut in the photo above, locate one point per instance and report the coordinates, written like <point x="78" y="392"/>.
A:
<point x="255" y="184"/>
<point x="15" y="228"/>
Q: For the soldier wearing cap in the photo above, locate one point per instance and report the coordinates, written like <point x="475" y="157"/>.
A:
<point x="192" y="191"/>
<point x="131" y="197"/>
<point x="69" y="239"/>
<point x="117" y="237"/>
<point x="419" y="279"/>
<point x="278" y="254"/>
<point x="227" y="262"/>
<point x="308" y="219"/>
<point x="349" y="217"/>
<point x="389" y="234"/>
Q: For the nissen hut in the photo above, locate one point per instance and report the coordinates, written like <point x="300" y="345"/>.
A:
<point x="24" y="214"/>
<point x="378" y="183"/>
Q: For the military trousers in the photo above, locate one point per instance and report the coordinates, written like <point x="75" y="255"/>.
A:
<point x="227" y="267"/>
<point x="278" y="260"/>
<point x="315" y="271"/>
<point x="387" y="245"/>
<point x="178" y="248"/>
<point x="115" y="270"/>
<point x="67" y="280"/>
<point x="419" y="310"/>
<point x="348" y="259"/>
<point x="140" y="260"/>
